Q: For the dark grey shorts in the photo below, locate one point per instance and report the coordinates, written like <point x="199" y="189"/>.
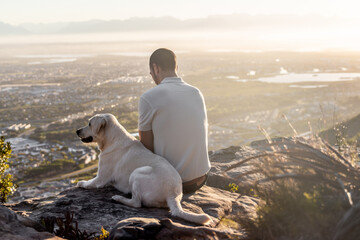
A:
<point x="190" y="188"/>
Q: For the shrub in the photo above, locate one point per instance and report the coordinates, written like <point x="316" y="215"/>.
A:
<point x="6" y="185"/>
<point x="68" y="228"/>
<point x="308" y="191"/>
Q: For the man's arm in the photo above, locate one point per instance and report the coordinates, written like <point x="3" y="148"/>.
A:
<point x="147" y="139"/>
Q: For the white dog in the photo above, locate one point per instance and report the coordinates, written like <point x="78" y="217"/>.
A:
<point x="130" y="167"/>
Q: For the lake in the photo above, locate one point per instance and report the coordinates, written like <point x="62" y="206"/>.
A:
<point x="310" y="77"/>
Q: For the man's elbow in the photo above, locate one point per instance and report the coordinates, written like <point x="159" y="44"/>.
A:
<point x="147" y="139"/>
<point x="148" y="146"/>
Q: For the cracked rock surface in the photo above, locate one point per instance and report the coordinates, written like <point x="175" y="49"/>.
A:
<point x="95" y="208"/>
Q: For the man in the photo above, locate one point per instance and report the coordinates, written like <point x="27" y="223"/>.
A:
<point x="173" y="121"/>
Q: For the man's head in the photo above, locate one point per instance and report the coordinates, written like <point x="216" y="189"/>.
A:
<point x="162" y="64"/>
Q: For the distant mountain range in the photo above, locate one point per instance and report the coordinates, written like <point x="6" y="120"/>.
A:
<point x="11" y="30"/>
<point x="218" y="22"/>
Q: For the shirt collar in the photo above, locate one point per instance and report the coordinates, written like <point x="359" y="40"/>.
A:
<point x="172" y="80"/>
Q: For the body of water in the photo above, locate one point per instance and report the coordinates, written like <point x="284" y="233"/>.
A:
<point x="307" y="86"/>
<point x="310" y="77"/>
<point x="53" y="58"/>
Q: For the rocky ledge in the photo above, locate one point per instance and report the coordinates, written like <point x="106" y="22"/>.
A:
<point x="93" y="209"/>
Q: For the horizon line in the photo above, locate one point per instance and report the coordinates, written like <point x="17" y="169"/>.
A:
<point x="185" y="19"/>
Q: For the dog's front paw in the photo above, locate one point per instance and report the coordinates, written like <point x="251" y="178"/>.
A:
<point x="81" y="184"/>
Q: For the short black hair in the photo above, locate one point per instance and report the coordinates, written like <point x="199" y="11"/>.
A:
<point x="164" y="58"/>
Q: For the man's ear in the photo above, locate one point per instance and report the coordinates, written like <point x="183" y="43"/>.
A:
<point x="101" y="123"/>
<point x="156" y="69"/>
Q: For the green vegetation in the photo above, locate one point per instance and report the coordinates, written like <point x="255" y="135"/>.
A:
<point x="86" y="176"/>
<point x="67" y="228"/>
<point x="60" y="132"/>
<point x="6" y="185"/>
<point x="33" y="112"/>
<point x="58" y="166"/>
<point x="233" y="187"/>
<point x="128" y="119"/>
<point x="104" y="234"/>
<point x="307" y="190"/>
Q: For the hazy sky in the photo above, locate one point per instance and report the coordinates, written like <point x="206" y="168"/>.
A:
<point x="45" y="11"/>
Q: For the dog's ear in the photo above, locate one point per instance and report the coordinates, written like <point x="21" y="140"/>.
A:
<point x="100" y="123"/>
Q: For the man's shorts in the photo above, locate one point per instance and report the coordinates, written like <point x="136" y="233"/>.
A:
<point x="195" y="184"/>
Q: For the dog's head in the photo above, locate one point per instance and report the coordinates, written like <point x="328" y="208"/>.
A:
<point x="94" y="130"/>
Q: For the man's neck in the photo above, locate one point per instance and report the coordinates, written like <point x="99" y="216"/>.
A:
<point x="167" y="75"/>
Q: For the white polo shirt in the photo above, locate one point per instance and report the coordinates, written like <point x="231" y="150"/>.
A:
<point x="175" y="112"/>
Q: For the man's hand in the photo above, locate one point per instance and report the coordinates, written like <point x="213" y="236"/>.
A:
<point x="147" y="139"/>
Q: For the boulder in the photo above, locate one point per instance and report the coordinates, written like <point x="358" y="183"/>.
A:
<point x="13" y="226"/>
<point x="94" y="208"/>
<point x="151" y="228"/>
<point x="224" y="158"/>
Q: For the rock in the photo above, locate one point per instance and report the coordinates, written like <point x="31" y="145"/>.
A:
<point x="16" y="227"/>
<point x="135" y="228"/>
<point x="151" y="228"/>
<point x="244" y="175"/>
<point x="348" y="226"/>
<point x="94" y="208"/>
<point x="224" y="158"/>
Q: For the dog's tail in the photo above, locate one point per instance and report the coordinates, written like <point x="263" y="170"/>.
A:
<point x="177" y="210"/>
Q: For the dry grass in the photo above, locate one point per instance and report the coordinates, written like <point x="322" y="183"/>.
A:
<point x="310" y="191"/>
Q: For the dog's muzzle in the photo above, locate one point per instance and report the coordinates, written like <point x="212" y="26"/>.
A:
<point x="85" y="140"/>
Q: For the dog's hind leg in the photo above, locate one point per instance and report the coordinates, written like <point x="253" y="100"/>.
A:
<point x="136" y="180"/>
<point x="134" y="201"/>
